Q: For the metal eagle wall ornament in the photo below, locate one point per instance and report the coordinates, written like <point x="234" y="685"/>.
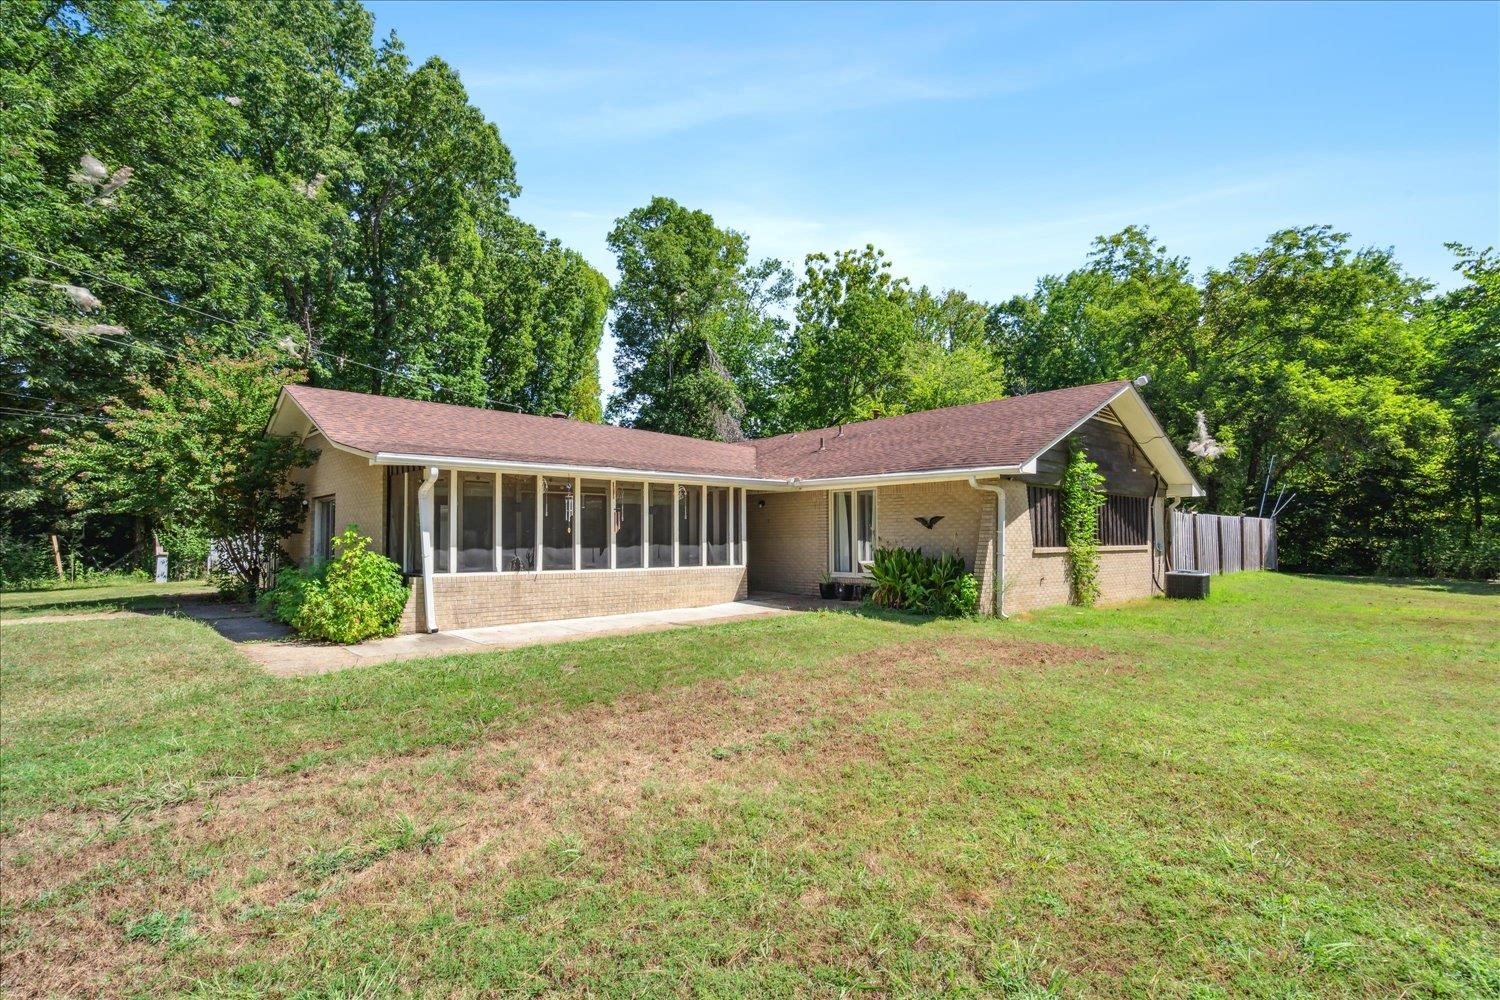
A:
<point x="928" y="522"/>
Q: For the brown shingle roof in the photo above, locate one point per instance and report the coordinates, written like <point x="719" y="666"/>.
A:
<point x="411" y="427"/>
<point x="999" y="434"/>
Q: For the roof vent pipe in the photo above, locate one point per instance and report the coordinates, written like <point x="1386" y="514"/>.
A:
<point x="820" y="442"/>
<point x="840" y="431"/>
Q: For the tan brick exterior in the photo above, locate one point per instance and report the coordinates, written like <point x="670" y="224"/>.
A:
<point x="469" y="600"/>
<point x="788" y="541"/>
<point x="358" y="489"/>
<point x="1038" y="579"/>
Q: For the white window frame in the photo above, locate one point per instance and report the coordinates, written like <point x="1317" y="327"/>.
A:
<point x="738" y="517"/>
<point x="854" y="574"/>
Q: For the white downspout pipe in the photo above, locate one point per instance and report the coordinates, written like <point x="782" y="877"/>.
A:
<point x="999" y="491"/>
<point x="424" y="518"/>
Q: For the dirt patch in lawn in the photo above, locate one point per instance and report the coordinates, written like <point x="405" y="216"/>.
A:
<point x="96" y="902"/>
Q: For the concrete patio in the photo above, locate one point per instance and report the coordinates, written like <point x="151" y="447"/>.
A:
<point x="286" y="657"/>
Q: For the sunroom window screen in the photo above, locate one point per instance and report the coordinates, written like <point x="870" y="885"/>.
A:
<point x="476" y="523"/>
<point x="719" y="518"/>
<point x="627" y="525"/>
<point x="518" y="523"/>
<point x="689" y="525"/>
<point x="593" y="525"/>
<point x="661" y="524"/>
<point x="558" y="514"/>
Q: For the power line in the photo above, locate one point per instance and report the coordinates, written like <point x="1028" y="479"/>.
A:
<point x="241" y="324"/>
<point x="14" y="411"/>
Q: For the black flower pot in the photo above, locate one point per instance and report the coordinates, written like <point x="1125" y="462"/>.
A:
<point x="828" y="591"/>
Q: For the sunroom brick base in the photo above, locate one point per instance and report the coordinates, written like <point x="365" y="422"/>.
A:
<point x="472" y="600"/>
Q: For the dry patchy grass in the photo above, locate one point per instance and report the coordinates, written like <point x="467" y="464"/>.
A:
<point x="1288" y="791"/>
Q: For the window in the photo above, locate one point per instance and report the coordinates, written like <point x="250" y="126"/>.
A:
<point x="1046" y="517"/>
<point x="720" y="520"/>
<point x="853" y="530"/>
<point x="517" y="523"/>
<point x="1124" y="520"/>
<point x="395" y="507"/>
<point x="476" y="522"/>
<point x="322" y="530"/>
<point x="557" y="523"/>
<point x="660" y="524"/>
<point x="443" y="527"/>
<point x="628" y="524"/>
<point x="412" y="546"/>
<point x="593" y="524"/>
<point x="689" y="525"/>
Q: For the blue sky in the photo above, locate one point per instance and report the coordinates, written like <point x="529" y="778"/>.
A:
<point x="983" y="146"/>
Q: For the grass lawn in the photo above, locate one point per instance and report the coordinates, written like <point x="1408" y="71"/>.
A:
<point x="141" y="595"/>
<point x="1290" y="790"/>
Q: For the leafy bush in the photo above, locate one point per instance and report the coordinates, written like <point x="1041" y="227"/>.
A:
<point x="1456" y="551"/>
<point x="25" y="563"/>
<point x="283" y="601"/>
<point x="908" y="580"/>
<point x="360" y="596"/>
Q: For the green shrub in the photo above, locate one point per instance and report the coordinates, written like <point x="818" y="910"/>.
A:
<point x="908" y="580"/>
<point x="360" y="595"/>
<point x="283" y="601"/>
<point x="1447" y="550"/>
<point x="1082" y="496"/>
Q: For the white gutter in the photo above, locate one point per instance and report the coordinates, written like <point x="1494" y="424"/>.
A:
<point x="424" y="517"/>
<point x="546" y="469"/>
<point x="999" y="491"/>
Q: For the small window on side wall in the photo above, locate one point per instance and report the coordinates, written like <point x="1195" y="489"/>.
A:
<point x="322" y="529"/>
<point x="1046" y="517"/>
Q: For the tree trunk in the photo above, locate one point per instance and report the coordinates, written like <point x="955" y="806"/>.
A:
<point x="57" y="557"/>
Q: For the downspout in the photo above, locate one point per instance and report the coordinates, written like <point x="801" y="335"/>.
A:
<point x="999" y="491"/>
<point x="424" y="518"/>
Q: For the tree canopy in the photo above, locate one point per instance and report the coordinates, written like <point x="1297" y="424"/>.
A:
<point x="244" y="177"/>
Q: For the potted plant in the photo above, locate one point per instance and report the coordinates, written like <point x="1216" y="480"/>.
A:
<point x="827" y="589"/>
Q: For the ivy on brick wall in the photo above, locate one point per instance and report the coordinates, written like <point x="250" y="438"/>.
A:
<point x="1082" y="495"/>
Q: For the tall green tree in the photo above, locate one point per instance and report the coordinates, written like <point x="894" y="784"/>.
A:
<point x="1465" y="378"/>
<point x="240" y="175"/>
<point x="694" y="323"/>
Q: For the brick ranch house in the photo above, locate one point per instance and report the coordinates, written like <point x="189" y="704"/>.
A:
<point x="501" y="517"/>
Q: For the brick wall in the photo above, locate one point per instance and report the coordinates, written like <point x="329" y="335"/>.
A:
<point x="358" y="489"/>
<point x="1037" y="579"/>
<point x="789" y="535"/>
<point x="470" y="600"/>
<point x="788" y="541"/>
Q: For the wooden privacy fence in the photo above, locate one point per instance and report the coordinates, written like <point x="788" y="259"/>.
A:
<point x="1219" y="543"/>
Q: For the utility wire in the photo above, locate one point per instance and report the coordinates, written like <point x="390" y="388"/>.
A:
<point x="241" y="324"/>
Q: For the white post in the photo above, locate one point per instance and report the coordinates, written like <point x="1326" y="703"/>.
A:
<point x="645" y="525"/>
<point x="702" y="525"/>
<point x="577" y="522"/>
<point x="744" y="525"/>
<point x="536" y="542"/>
<point x="425" y="519"/>
<point x="676" y="529"/>
<point x="495" y="519"/>
<point x="729" y="512"/>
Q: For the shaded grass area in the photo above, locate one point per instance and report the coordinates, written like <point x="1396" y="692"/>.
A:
<point x="142" y="595"/>
<point x="1289" y="790"/>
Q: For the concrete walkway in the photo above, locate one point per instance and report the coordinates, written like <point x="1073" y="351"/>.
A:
<point x="289" y="658"/>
